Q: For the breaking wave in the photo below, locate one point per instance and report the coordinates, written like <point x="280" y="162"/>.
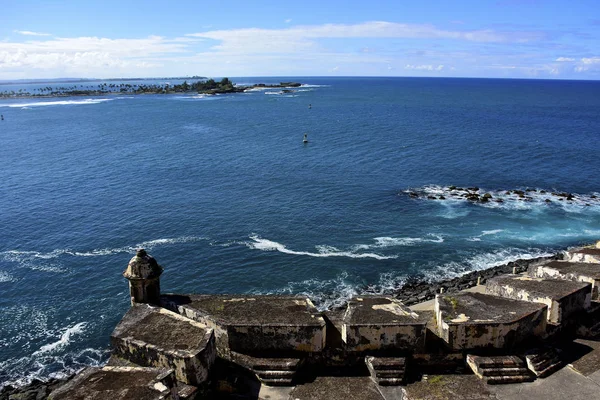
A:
<point x="258" y="243"/>
<point x="56" y="103"/>
<point x="49" y="261"/>
<point x="64" y="340"/>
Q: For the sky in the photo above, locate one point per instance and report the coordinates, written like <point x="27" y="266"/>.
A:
<point x="548" y="39"/>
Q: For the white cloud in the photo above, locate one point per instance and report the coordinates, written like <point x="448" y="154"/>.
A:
<point x="565" y="59"/>
<point x="30" y="33"/>
<point x="287" y="21"/>
<point x="424" y="67"/>
<point x="302" y="38"/>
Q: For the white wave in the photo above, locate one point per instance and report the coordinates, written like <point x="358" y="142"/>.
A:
<point x="383" y="242"/>
<point x="56" y="103"/>
<point x="64" y="340"/>
<point x="5" y="277"/>
<point x="313" y="86"/>
<point x="325" y="294"/>
<point x="43" y="366"/>
<point x="18" y="255"/>
<point x="323" y="251"/>
<point x="275" y="93"/>
<point x="492" y="232"/>
<point x="481" y="261"/>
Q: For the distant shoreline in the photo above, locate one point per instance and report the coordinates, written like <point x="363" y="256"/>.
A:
<point x="209" y="87"/>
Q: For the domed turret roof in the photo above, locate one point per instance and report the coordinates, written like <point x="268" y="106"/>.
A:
<point x="142" y="266"/>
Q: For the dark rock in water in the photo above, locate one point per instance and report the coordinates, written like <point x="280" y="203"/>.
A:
<point x="452" y="187"/>
<point x="441" y="197"/>
<point x="484" y="199"/>
<point x="432" y="197"/>
<point x="473" y="189"/>
<point x="507" y="193"/>
<point x="499" y="201"/>
<point x="519" y="193"/>
<point x="542" y="191"/>
<point x="548" y="201"/>
<point x="487" y="196"/>
<point x="413" y="194"/>
<point x="593" y="196"/>
<point x="570" y="197"/>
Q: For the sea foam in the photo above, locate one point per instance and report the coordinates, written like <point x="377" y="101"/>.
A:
<point x="56" y="103"/>
<point x="258" y="243"/>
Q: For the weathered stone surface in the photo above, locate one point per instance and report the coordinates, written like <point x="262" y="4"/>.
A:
<point x="155" y="337"/>
<point x="378" y="323"/>
<point x="255" y="323"/>
<point x="562" y="298"/>
<point x="448" y="387"/>
<point x="569" y="271"/>
<point x="337" y="387"/>
<point x="474" y="320"/>
<point x="143" y="274"/>
<point x="584" y="254"/>
<point x="119" y="383"/>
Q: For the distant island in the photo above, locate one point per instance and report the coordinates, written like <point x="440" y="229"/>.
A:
<point x="209" y="86"/>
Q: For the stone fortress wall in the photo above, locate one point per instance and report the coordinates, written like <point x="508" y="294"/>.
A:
<point x="504" y="328"/>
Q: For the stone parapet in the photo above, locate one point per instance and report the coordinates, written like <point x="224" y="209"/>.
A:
<point x="250" y="324"/>
<point x="155" y="337"/>
<point x="477" y="321"/>
<point x="373" y="323"/>
<point x="569" y="271"/>
<point x="119" y="383"/>
<point x="562" y="298"/>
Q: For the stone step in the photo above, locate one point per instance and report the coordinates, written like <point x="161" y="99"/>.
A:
<point x="564" y="299"/>
<point x="500" y="370"/>
<point x="386" y="371"/>
<point x="268" y="374"/>
<point x="284" y="364"/>
<point x="390" y="381"/>
<point x="569" y="271"/>
<point x="277" y="381"/>
<point x="498" y="380"/>
<point x="270" y="371"/>
<point x="389" y="373"/>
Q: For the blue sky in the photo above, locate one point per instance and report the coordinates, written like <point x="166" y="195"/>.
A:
<point x="102" y="39"/>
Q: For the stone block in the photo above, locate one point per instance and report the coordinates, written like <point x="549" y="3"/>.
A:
<point x="155" y="337"/>
<point x="584" y="254"/>
<point x="119" y="383"/>
<point x="255" y="323"/>
<point x="373" y="323"/>
<point x="563" y="298"/>
<point x="475" y="320"/>
<point x="569" y="271"/>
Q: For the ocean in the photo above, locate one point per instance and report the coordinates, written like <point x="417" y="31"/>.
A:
<point x="223" y="192"/>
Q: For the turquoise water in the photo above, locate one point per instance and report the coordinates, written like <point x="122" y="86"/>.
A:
<point x="224" y="194"/>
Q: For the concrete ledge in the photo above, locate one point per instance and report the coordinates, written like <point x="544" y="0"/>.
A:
<point x="562" y="298"/>
<point x="380" y="323"/>
<point x="255" y="323"/>
<point x="155" y="337"/>
<point x="569" y="271"/>
<point x="476" y="321"/>
<point x="119" y="383"/>
<point x="588" y="254"/>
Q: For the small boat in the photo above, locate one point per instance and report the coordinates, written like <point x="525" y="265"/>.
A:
<point x="305" y="138"/>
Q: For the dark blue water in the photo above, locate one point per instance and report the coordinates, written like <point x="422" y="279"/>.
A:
<point x="224" y="194"/>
